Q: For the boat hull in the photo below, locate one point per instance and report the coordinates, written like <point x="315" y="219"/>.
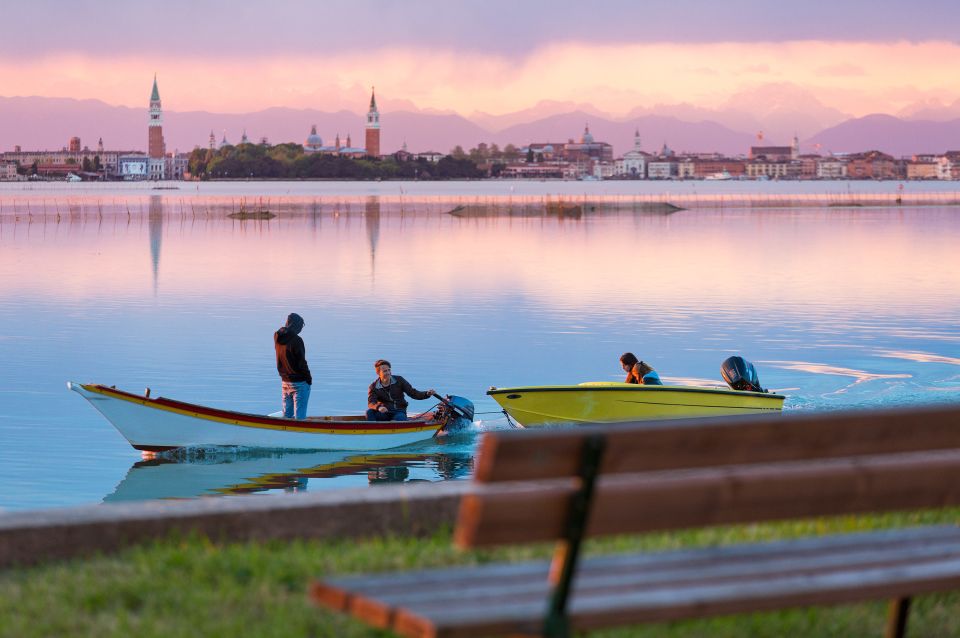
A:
<point x="162" y="424"/>
<point x="611" y="402"/>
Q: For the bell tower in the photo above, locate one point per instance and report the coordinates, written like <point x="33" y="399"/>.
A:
<point x="373" y="127"/>
<point x="156" y="149"/>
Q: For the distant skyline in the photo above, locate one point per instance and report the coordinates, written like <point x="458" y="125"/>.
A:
<point x="830" y="60"/>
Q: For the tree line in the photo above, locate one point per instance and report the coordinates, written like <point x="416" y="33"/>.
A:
<point x="289" y="161"/>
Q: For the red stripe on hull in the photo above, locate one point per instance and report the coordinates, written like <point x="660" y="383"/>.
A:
<point x="264" y="420"/>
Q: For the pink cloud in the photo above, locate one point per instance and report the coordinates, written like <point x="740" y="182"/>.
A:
<point x="841" y="70"/>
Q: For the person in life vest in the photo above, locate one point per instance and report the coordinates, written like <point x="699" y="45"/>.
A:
<point x="638" y="371"/>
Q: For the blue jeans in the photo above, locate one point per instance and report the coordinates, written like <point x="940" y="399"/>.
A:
<point x="389" y="415"/>
<point x="295" y="396"/>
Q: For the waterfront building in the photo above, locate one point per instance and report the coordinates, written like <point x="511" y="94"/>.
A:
<point x="106" y="160"/>
<point x="772" y="169"/>
<point x="542" y="152"/>
<point x="557" y="169"/>
<point x="403" y="155"/>
<point x="634" y="162"/>
<point x="373" y="127"/>
<point x="604" y="170"/>
<point x="58" y="170"/>
<point x="808" y="165"/>
<point x="134" y="166"/>
<point x="922" y="170"/>
<point x="831" y="168"/>
<point x="587" y="149"/>
<point x="661" y="168"/>
<point x="702" y="167"/>
<point x="156" y="148"/>
<point x="177" y="165"/>
<point x="872" y="165"/>
<point x="8" y="171"/>
<point x="566" y="159"/>
<point x="431" y="156"/>
<point x="948" y="165"/>
<point x="74" y="146"/>
<point x="776" y="153"/>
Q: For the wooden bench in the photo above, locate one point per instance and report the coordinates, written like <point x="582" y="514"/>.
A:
<point x="566" y="485"/>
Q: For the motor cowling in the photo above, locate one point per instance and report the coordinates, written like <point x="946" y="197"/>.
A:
<point x="740" y="374"/>
<point x="461" y="408"/>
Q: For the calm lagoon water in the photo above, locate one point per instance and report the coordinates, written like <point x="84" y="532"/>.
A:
<point x="838" y="308"/>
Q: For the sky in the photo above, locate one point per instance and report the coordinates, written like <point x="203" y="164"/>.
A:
<point x="852" y="57"/>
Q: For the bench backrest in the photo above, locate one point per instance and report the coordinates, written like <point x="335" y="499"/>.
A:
<point x="701" y="472"/>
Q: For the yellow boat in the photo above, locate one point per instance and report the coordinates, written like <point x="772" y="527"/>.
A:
<point x="604" y="402"/>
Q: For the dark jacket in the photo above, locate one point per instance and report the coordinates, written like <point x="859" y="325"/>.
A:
<point x="392" y="395"/>
<point x="291" y="356"/>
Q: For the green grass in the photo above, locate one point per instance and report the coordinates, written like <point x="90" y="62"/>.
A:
<point x="195" y="587"/>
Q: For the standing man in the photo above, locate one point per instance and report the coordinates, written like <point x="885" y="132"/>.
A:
<point x="292" y="366"/>
<point x="385" y="400"/>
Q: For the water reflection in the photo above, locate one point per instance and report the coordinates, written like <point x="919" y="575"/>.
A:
<point x="838" y="308"/>
<point x="920" y="357"/>
<point x="225" y="473"/>
<point x="156" y="236"/>
<point x="371" y="221"/>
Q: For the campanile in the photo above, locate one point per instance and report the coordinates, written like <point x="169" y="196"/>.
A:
<point x="373" y="127"/>
<point x="156" y="149"/>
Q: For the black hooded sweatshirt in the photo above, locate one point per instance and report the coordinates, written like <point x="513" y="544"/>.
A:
<point x="291" y="355"/>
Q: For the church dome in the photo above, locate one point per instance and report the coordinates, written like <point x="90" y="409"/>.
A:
<point x="313" y="140"/>
<point x="587" y="138"/>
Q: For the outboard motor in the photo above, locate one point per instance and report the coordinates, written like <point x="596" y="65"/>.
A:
<point x="459" y="408"/>
<point x="740" y="374"/>
<point x="464" y="405"/>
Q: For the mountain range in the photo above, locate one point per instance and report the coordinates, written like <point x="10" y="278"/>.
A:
<point x="48" y="123"/>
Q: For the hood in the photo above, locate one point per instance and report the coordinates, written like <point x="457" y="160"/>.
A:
<point x="292" y="329"/>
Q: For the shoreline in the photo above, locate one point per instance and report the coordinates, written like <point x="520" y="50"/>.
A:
<point x="472" y="198"/>
<point x="30" y="206"/>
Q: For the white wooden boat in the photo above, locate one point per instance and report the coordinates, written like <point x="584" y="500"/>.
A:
<point x="159" y="424"/>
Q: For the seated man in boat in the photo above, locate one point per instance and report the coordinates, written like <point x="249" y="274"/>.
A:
<point x="292" y="365"/>
<point x="638" y="371"/>
<point x="385" y="401"/>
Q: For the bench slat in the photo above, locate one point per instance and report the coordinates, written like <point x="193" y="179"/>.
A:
<point x="536" y="511"/>
<point x="375" y="599"/>
<point x="883" y="540"/>
<point x="692" y="600"/>
<point x="590" y="577"/>
<point x="636" y="447"/>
